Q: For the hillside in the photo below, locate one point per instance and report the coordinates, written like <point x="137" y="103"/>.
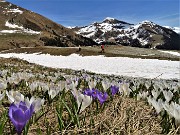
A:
<point x="21" y="27"/>
<point x="144" y="34"/>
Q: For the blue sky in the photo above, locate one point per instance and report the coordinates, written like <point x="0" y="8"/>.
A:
<point x="84" y="12"/>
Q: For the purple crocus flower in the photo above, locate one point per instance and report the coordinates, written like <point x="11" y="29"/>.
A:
<point x="88" y="92"/>
<point x="93" y="93"/>
<point x="114" y="89"/>
<point x="19" y="115"/>
<point x="102" y="97"/>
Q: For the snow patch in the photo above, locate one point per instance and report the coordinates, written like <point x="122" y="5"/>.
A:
<point x="175" y="29"/>
<point x="12" y="25"/>
<point x="15" y="10"/>
<point x="171" y="52"/>
<point x="21" y="29"/>
<point x="133" y="67"/>
<point x="9" y="31"/>
<point x="88" y="29"/>
<point x="147" y="54"/>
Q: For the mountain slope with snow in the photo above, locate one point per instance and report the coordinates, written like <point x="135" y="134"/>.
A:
<point x="175" y="29"/>
<point x="19" y="24"/>
<point x="144" y="34"/>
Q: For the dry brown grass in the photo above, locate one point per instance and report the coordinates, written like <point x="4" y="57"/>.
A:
<point x="110" y="51"/>
<point x="124" y="116"/>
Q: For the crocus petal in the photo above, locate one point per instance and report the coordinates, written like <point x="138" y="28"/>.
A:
<point x="75" y="93"/>
<point x="28" y="113"/>
<point x="83" y="101"/>
<point x="10" y="98"/>
<point x="13" y="107"/>
<point x="37" y="104"/>
<point x="52" y="93"/>
<point x="114" y="90"/>
<point x="2" y="95"/>
<point x="18" y="120"/>
<point x="94" y="93"/>
<point x="18" y="116"/>
<point x="88" y="92"/>
<point x="23" y="106"/>
<point x="102" y="97"/>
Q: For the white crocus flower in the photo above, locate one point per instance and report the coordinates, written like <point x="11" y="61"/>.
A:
<point x="37" y="103"/>
<point x="165" y="85"/>
<point x="59" y="88"/>
<point x="3" y="72"/>
<point x="73" y="85"/>
<point x="2" y="94"/>
<point x="125" y="88"/>
<point x="155" y="93"/>
<point x="83" y="101"/>
<point x="156" y="86"/>
<point x="87" y="78"/>
<point x="62" y="85"/>
<point x="145" y="94"/>
<point x="142" y="95"/>
<point x="33" y="86"/>
<point x="3" y="84"/>
<point x="168" y="107"/>
<point x="158" y="105"/>
<point x="44" y="87"/>
<point x="23" y="76"/>
<point x="68" y="84"/>
<point x="173" y="110"/>
<point x="52" y="93"/>
<point x="174" y="88"/>
<point x="148" y="84"/>
<point x="13" y="79"/>
<point x="139" y="96"/>
<point x="29" y="102"/>
<point x="53" y="90"/>
<point x="92" y="83"/>
<point x="15" y="96"/>
<point x="106" y="84"/>
<point x="149" y="99"/>
<point x="134" y="88"/>
<point x="168" y="95"/>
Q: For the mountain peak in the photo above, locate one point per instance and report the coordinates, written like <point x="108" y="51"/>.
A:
<point x="109" y="18"/>
<point x="147" y="22"/>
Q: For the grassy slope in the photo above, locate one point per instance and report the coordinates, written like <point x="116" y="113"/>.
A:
<point x="110" y="51"/>
<point x="10" y="41"/>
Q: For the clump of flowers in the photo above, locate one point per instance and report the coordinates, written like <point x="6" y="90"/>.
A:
<point x="94" y="93"/>
<point x="82" y="100"/>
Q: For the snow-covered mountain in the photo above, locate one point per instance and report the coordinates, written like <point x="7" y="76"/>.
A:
<point x="175" y="29"/>
<point x="144" y="34"/>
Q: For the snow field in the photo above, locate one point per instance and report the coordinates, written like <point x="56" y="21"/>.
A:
<point x="132" y="67"/>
